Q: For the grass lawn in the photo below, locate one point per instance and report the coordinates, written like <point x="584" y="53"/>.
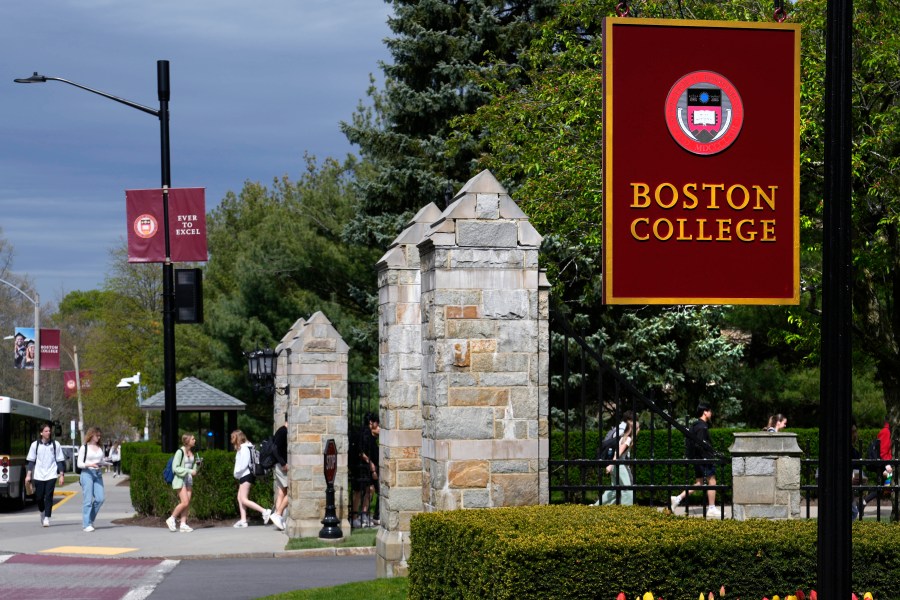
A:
<point x="383" y="589"/>
<point x="358" y="538"/>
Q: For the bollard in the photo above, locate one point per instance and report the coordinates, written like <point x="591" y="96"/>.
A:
<point x="331" y="529"/>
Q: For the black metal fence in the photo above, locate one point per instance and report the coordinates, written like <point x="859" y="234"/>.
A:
<point x="588" y="399"/>
<point x="874" y="490"/>
<point x="362" y="398"/>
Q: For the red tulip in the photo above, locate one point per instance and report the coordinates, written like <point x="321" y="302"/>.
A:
<point x="800" y="595"/>
<point x="621" y="596"/>
<point x="813" y="595"/>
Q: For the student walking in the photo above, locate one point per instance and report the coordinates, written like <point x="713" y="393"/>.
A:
<point x="46" y="464"/>
<point x="245" y="479"/>
<point x="281" y="475"/>
<point x="705" y="473"/>
<point x="115" y="457"/>
<point x="91" y="462"/>
<point x="184" y="466"/>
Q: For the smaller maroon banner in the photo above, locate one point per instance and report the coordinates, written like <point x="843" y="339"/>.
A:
<point x="70" y="384"/>
<point x="187" y="225"/>
<point x="49" y="349"/>
<point x="144" y="215"/>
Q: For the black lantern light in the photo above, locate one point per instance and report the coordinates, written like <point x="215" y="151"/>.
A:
<point x="261" y="368"/>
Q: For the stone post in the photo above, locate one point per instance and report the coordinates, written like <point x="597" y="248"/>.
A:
<point x="765" y="469"/>
<point x="317" y="410"/>
<point x="400" y="382"/>
<point x="484" y="376"/>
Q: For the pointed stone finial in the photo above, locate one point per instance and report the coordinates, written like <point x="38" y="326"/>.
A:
<point x="483" y="183"/>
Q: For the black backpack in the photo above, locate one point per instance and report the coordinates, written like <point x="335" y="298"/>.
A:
<point x="874" y="451"/>
<point x="83" y="457"/>
<point x="607" y="449"/>
<point x="256" y="469"/>
<point x="267" y="458"/>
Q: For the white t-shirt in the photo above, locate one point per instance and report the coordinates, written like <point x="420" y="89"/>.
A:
<point x="45" y="457"/>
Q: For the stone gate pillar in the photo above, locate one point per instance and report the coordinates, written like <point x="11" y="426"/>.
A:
<point x="765" y="471"/>
<point x="316" y="370"/>
<point x="484" y="348"/>
<point x="400" y="383"/>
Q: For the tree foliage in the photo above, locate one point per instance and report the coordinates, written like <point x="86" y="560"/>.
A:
<point x="404" y="133"/>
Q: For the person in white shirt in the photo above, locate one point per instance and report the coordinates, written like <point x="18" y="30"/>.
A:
<point x="91" y="461"/>
<point x="115" y="457"/>
<point x="46" y="464"/>
<point x="245" y="478"/>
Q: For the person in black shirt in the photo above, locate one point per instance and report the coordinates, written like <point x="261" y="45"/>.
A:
<point x="700" y="433"/>
<point x="281" y="475"/>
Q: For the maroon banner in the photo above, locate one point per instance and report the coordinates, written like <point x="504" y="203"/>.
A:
<point x="49" y="349"/>
<point x="701" y="162"/>
<point x="70" y="384"/>
<point x="187" y="225"/>
<point x="144" y="214"/>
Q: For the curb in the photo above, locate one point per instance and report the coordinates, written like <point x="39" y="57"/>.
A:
<point x="307" y="552"/>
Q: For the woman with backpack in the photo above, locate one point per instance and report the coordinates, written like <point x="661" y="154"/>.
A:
<point x="245" y="477"/>
<point x="184" y="467"/>
<point x="46" y="464"/>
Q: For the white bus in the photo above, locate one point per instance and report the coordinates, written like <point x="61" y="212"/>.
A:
<point x="20" y="424"/>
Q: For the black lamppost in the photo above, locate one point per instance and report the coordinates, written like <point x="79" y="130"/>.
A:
<point x="170" y="422"/>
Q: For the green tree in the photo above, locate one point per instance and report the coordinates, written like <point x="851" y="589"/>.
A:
<point x="436" y="47"/>
<point x="277" y="255"/>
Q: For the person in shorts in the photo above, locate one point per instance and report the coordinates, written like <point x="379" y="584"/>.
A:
<point x="281" y="475"/>
<point x="245" y="479"/>
<point x="705" y="473"/>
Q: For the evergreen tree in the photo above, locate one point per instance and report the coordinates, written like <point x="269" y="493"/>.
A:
<point x="438" y="49"/>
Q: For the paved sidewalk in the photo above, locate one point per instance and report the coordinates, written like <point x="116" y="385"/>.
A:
<point x="22" y="533"/>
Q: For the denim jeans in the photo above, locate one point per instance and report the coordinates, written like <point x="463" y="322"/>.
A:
<point x="92" y="492"/>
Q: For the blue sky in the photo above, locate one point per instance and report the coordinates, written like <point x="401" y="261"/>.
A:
<point x="255" y="85"/>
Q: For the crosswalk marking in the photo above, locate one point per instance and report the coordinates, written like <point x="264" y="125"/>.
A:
<point x="97" y="550"/>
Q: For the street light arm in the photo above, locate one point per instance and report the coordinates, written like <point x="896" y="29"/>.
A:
<point x="18" y="289"/>
<point x="41" y="79"/>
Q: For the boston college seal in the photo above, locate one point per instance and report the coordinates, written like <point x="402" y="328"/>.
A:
<point x="704" y="112"/>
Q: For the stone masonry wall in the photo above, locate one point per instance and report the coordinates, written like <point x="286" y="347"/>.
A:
<point x="484" y="347"/>
<point x="317" y="411"/>
<point x="400" y="382"/>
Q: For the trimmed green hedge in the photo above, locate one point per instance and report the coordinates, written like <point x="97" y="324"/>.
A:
<point x="215" y="488"/>
<point x="722" y="439"/>
<point x="573" y="551"/>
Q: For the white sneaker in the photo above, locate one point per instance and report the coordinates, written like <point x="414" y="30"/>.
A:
<point x="267" y="514"/>
<point x="278" y="522"/>
<point x="713" y="512"/>
<point x="170" y="523"/>
<point x="674" y="501"/>
<point x="88" y="529"/>
<point x="185" y="529"/>
<point x="46" y="522"/>
<point x="240" y="524"/>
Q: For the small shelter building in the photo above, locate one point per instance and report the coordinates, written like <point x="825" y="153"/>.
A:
<point x="216" y="411"/>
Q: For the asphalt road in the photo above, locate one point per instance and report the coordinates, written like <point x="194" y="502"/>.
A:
<point x="128" y="562"/>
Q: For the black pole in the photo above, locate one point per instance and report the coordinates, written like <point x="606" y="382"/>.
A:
<point x="170" y="425"/>
<point x="834" y="544"/>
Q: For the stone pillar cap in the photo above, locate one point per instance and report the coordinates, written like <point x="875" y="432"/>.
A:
<point x="765" y="443"/>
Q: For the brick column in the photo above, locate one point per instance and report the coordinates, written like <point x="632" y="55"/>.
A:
<point x="316" y="369"/>
<point x="765" y="471"/>
<point x="484" y="346"/>
<point x="400" y="382"/>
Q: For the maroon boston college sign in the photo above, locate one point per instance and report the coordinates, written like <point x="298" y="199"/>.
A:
<point x="701" y="162"/>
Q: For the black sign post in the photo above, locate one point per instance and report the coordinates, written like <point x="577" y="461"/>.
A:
<point x="331" y="529"/>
